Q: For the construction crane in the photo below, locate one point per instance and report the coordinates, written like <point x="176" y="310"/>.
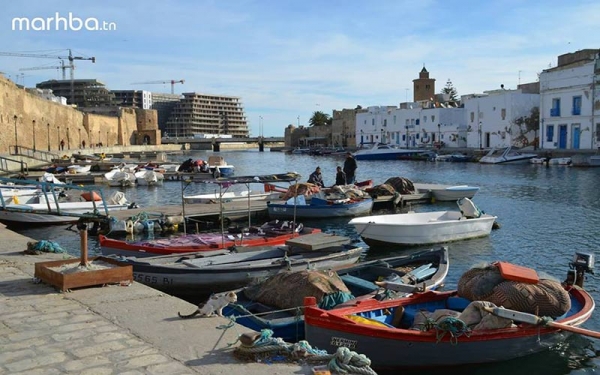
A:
<point x="70" y="58"/>
<point x="62" y="66"/>
<point x="172" y="82"/>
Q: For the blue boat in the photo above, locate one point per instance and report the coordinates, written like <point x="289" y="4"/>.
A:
<point x="417" y="271"/>
<point x="318" y="208"/>
<point x="384" y="151"/>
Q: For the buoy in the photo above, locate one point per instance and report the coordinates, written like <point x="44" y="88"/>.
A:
<point x="89" y="196"/>
<point x="16" y="200"/>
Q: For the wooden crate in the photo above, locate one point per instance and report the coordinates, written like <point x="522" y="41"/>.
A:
<point x="120" y="273"/>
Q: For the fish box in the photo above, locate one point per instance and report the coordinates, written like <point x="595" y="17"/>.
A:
<point x="68" y="274"/>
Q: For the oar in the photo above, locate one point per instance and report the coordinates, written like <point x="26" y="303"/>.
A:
<point x="534" y="319"/>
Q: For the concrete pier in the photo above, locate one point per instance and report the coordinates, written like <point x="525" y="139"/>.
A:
<point x="107" y="330"/>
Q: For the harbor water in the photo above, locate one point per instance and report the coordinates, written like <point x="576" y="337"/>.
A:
<point x="546" y="214"/>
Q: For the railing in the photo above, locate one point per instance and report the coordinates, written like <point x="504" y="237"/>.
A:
<point x="33" y="154"/>
<point x="5" y="165"/>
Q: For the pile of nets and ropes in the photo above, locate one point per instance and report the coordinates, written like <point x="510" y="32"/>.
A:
<point x="265" y="348"/>
<point x="393" y="186"/>
<point x="43" y="246"/>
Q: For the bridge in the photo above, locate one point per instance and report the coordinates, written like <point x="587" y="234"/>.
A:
<point x="214" y="143"/>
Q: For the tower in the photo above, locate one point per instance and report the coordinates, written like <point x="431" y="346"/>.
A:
<point x="423" y="87"/>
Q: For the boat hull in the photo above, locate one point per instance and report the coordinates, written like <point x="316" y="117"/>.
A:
<point x="189" y="282"/>
<point x="444" y="193"/>
<point x="422" y="228"/>
<point x="287" y="211"/>
<point x="397" y="348"/>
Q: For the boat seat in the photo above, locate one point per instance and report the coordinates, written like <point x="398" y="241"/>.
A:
<point x="353" y="281"/>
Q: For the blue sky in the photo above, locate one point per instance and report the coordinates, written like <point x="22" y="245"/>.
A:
<point x="287" y="59"/>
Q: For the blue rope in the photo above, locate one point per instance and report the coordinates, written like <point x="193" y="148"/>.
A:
<point x="48" y="247"/>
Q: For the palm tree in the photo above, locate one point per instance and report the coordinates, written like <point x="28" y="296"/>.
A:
<point x="319" y="118"/>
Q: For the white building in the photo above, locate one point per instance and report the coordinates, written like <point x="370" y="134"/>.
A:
<point x="493" y="119"/>
<point x="568" y="117"/>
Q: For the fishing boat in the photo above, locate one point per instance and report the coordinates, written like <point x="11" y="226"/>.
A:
<point x="217" y="164"/>
<point x="384" y="151"/>
<point x="194" y="275"/>
<point x="421" y="228"/>
<point x="319" y="208"/>
<point x="444" y="193"/>
<point x="117" y="177"/>
<point x="232" y="196"/>
<point x="79" y="169"/>
<point x="269" y="305"/>
<point x="508" y="155"/>
<point x="269" y="234"/>
<point x="441" y="329"/>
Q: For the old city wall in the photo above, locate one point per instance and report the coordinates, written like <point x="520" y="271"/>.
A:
<point x="42" y="124"/>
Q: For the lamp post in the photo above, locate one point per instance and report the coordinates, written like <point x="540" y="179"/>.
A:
<point x="298" y="120"/>
<point x="107" y="139"/>
<point x="99" y="140"/>
<point x="406" y="136"/>
<point x="382" y="136"/>
<point x="80" y="144"/>
<point x="361" y="137"/>
<point x="260" y="126"/>
<point x="439" y="135"/>
<point x="480" y="137"/>
<point x="68" y="139"/>
<point x="58" y="129"/>
<point x="15" y="117"/>
<point x="33" y="121"/>
<point x="48" y="126"/>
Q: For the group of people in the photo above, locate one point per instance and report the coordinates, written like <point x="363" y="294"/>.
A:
<point x="343" y="176"/>
<point x="194" y="166"/>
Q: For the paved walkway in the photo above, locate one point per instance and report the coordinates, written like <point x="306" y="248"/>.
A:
<point x="106" y="330"/>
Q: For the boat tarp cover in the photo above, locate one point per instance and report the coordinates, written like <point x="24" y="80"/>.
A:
<point x="545" y="298"/>
<point x="275" y="291"/>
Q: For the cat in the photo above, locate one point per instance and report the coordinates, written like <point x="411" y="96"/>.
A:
<point x="214" y="305"/>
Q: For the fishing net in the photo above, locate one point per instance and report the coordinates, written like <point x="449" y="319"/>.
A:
<point x="275" y="291"/>
<point x="545" y="298"/>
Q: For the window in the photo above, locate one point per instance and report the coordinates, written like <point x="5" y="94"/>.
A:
<point x="417" y="122"/>
<point x="394" y="119"/>
<point x="555" y="110"/>
<point x="373" y="121"/>
<point x="472" y="116"/>
<point x="384" y="122"/>
<point x="549" y="133"/>
<point x="503" y="113"/>
<point x="576" y="106"/>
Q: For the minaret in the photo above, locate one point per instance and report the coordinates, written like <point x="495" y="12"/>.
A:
<point x="423" y="87"/>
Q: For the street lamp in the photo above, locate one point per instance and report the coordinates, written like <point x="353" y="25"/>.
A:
<point x="48" y="126"/>
<point x="480" y="137"/>
<point x="382" y="136"/>
<point x="58" y="129"/>
<point x="68" y="139"/>
<point x="406" y="136"/>
<point x="15" y="117"/>
<point x="361" y="138"/>
<point x="33" y="121"/>
<point x="298" y="120"/>
<point x="260" y="126"/>
<point x="439" y="135"/>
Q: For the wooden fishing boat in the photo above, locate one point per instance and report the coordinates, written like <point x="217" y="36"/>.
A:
<point x="258" y="307"/>
<point x="385" y="331"/>
<point x="194" y="275"/>
<point x="420" y="228"/>
<point x="267" y="235"/>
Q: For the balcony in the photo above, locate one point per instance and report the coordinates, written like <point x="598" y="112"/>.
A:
<point x="554" y="112"/>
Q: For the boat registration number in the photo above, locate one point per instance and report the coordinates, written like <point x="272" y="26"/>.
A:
<point x="147" y="279"/>
<point x="340" y="341"/>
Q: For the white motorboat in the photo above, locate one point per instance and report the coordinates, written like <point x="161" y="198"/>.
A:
<point x="79" y="169"/>
<point x="149" y="178"/>
<point x="232" y="196"/>
<point x="507" y="155"/>
<point x="384" y="151"/>
<point x="445" y="193"/>
<point x="425" y="227"/>
<point x="117" y="177"/>
<point x="169" y="167"/>
<point x="48" y="211"/>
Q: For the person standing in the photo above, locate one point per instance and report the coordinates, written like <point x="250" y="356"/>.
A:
<point x="350" y="167"/>
<point x="316" y="178"/>
<point x="62" y="144"/>
<point x="340" y="176"/>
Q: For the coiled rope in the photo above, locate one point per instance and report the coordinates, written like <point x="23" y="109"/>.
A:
<point x="344" y="361"/>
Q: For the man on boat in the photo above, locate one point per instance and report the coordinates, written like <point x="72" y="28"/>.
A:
<point x="340" y="176"/>
<point x="350" y="168"/>
<point x="316" y="178"/>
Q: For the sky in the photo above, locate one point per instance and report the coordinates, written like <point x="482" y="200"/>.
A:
<point x="287" y="59"/>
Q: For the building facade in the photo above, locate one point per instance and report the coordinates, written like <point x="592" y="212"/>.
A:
<point x="570" y="102"/>
<point x="133" y="98"/>
<point x="343" y="127"/>
<point x="81" y="92"/>
<point x="198" y="113"/>
<point x="164" y="105"/>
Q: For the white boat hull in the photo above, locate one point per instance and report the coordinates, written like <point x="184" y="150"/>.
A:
<point x="39" y="213"/>
<point x="422" y="228"/>
<point x="231" y="196"/>
<point x="444" y="193"/>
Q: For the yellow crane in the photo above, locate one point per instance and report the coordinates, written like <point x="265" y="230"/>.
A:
<point x="68" y="57"/>
<point x="172" y="82"/>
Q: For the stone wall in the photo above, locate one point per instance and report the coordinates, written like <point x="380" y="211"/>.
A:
<point x="42" y="124"/>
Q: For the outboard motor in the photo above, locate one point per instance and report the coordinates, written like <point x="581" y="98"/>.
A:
<point x="468" y="209"/>
<point x="582" y="263"/>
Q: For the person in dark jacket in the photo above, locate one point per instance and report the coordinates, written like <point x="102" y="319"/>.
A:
<point x="340" y="176"/>
<point x="316" y="178"/>
<point x="187" y="166"/>
<point x="350" y="168"/>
